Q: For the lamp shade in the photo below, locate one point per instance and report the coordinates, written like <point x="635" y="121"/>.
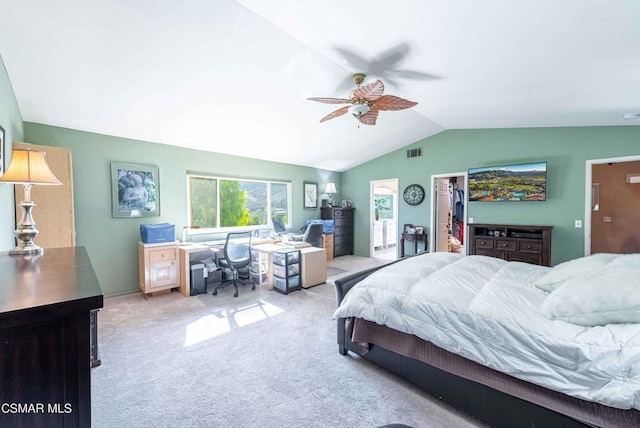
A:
<point x="359" y="110"/>
<point x="28" y="167"/>
<point x="331" y="188"/>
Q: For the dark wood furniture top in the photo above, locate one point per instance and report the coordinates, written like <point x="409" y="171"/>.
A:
<point x="415" y="238"/>
<point x="514" y="243"/>
<point x="45" y="307"/>
<point x="343" y="228"/>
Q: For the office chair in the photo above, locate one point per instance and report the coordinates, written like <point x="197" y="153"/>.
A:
<point x="237" y="258"/>
<point x="313" y="235"/>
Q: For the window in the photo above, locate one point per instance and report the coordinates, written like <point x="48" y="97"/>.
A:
<point x="222" y="202"/>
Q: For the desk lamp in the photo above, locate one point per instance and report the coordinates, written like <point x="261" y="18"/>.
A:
<point x="330" y="190"/>
<point x="28" y="167"/>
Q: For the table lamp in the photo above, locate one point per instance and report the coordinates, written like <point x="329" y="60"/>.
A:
<point x="27" y="167"/>
<point x="330" y="190"/>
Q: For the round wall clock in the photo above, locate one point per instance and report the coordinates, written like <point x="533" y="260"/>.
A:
<point x="413" y="194"/>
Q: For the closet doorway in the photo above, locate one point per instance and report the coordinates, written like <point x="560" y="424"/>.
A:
<point x="383" y="235"/>
<point x="612" y="206"/>
<point x="448" y="212"/>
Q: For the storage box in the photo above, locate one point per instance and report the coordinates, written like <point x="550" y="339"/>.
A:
<point x="285" y="271"/>
<point x="286" y="284"/>
<point x="286" y="256"/>
<point x="157" y="233"/>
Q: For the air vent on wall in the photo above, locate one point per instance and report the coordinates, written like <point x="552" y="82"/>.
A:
<point x="414" y="153"/>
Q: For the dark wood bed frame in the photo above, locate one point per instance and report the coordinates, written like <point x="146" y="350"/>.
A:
<point x="494" y="407"/>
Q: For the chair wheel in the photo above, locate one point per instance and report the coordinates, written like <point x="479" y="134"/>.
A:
<point x="253" y="287"/>
<point x="214" y="292"/>
<point x="235" y="294"/>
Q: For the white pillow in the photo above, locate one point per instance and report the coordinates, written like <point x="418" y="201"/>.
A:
<point x="609" y="296"/>
<point x="568" y="270"/>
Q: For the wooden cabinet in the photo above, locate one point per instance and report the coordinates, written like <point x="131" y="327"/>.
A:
<point x="46" y="305"/>
<point x="343" y="228"/>
<point x="159" y="266"/>
<point x="327" y="243"/>
<point x="514" y="243"/>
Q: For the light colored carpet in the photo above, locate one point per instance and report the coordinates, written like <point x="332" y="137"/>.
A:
<point x="263" y="359"/>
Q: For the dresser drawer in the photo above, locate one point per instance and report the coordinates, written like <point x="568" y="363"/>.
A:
<point x="506" y="245"/>
<point x="342" y="240"/>
<point x="156" y="256"/>
<point x="530" y="247"/>
<point x="341" y="250"/>
<point x="484" y="243"/>
<point x="343" y="221"/>
<point x="342" y="213"/>
<point x="488" y="252"/>
<point x="535" y="259"/>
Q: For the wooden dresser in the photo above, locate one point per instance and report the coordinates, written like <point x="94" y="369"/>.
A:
<point x="343" y="228"/>
<point x="46" y="303"/>
<point x="514" y="243"/>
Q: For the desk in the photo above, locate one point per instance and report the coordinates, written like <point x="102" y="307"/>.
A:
<point x="415" y="238"/>
<point x="205" y="251"/>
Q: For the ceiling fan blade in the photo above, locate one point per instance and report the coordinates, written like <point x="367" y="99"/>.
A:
<point x="356" y="61"/>
<point x="330" y="100"/>
<point x="371" y="91"/>
<point x="389" y="59"/>
<point x="336" y="113"/>
<point x="370" y="117"/>
<point x="391" y="102"/>
<point x="414" y="75"/>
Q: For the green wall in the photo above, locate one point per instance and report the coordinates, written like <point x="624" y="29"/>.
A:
<point x="112" y="242"/>
<point x="565" y="150"/>
<point x="11" y="121"/>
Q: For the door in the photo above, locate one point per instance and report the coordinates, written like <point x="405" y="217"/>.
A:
<point x="53" y="213"/>
<point x="383" y="235"/>
<point x="448" y="212"/>
<point x="612" y="211"/>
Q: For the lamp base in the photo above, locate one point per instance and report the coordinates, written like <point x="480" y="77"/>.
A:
<point x="25" y="249"/>
<point x="26" y="232"/>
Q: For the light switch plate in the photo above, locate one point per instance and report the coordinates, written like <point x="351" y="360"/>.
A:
<point x="578" y="224"/>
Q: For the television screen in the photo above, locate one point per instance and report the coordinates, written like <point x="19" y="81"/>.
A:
<point x="522" y="182"/>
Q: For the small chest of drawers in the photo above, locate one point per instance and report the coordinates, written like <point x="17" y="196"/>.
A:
<point x="530" y="244"/>
<point x="343" y="228"/>
<point x="158" y="267"/>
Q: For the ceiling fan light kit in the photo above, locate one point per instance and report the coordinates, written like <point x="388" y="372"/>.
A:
<point x="365" y="102"/>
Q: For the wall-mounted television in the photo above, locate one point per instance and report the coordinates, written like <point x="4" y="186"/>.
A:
<point x="519" y="182"/>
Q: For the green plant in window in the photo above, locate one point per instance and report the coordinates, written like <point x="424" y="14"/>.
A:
<point x="233" y="202"/>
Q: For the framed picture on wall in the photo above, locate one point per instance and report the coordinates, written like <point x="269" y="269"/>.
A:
<point x="310" y="195"/>
<point x="1" y="150"/>
<point x="135" y="190"/>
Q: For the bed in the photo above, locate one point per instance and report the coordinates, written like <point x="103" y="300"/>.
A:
<point x="514" y="344"/>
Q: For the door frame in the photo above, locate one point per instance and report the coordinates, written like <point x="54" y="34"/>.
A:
<point x="434" y="223"/>
<point x="372" y="212"/>
<point x="587" y="193"/>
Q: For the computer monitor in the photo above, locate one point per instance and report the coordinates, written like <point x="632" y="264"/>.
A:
<point x="278" y="225"/>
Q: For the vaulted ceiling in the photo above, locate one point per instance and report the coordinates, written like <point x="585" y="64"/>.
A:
<point x="234" y="76"/>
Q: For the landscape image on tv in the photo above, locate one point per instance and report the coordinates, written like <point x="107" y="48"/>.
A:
<point x="523" y="182"/>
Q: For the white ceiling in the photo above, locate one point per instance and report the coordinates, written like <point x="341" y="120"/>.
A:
<point x="233" y="76"/>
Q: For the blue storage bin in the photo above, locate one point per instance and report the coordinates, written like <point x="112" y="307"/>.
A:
<point x="157" y="233"/>
<point x="327" y="225"/>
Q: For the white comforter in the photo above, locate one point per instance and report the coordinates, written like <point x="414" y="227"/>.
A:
<point x="487" y="310"/>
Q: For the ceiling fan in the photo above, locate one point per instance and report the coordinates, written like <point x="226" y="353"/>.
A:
<point x="365" y="101"/>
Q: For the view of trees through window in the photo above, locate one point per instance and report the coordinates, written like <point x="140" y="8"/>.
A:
<point x="241" y="202"/>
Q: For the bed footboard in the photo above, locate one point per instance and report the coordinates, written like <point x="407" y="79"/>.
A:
<point x="343" y="285"/>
